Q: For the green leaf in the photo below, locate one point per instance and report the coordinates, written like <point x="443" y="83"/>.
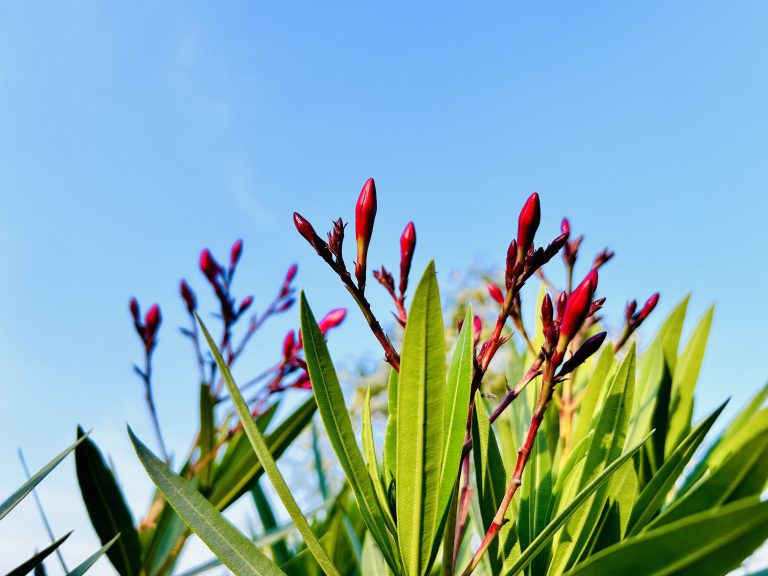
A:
<point x="30" y="484"/>
<point x="390" y="433"/>
<point x="106" y="506"/>
<point x="236" y="551"/>
<point x="321" y="482"/>
<point x="456" y="409"/>
<point x="28" y="565"/>
<point x="546" y="535"/>
<point x="91" y="560"/>
<point x="595" y="387"/>
<point x="207" y="441"/>
<point x="236" y="476"/>
<point x="607" y="444"/>
<point x="369" y="452"/>
<point x="264" y="509"/>
<point x="654" y="494"/>
<point x="335" y="417"/>
<point x="707" y="544"/>
<point x="261" y="449"/>
<point x="490" y="479"/>
<point x="420" y="426"/>
<point x="373" y="561"/>
<point x="684" y="381"/>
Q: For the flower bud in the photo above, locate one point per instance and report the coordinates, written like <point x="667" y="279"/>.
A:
<point x="291" y="274"/>
<point x="590" y="346"/>
<point x="477" y="329"/>
<point x="365" y="213"/>
<point x="245" y="304"/>
<point x="602" y="257"/>
<point x="209" y="266"/>
<point x="286" y="305"/>
<point x="332" y="319"/>
<point x="648" y="307"/>
<point x="152" y="320"/>
<point x="234" y="256"/>
<point x="527" y="224"/>
<point x="306" y="230"/>
<point x="495" y="293"/>
<point x="407" y="246"/>
<point x="133" y="305"/>
<point x="547" y="312"/>
<point x="565" y="227"/>
<point x="629" y="311"/>
<point x="188" y="296"/>
<point x="576" y="309"/>
<point x="303" y="382"/>
<point x="562" y="300"/>
<point x="289" y="346"/>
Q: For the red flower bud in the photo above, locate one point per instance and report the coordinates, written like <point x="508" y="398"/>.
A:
<point x="245" y="304"/>
<point x="286" y="305"/>
<point x="562" y="300"/>
<point x="289" y="346"/>
<point x="495" y="293"/>
<point x="511" y="262"/>
<point x="134" y="307"/>
<point x="302" y="383"/>
<point x="602" y="257"/>
<point x="234" y="256"/>
<point x="152" y="321"/>
<point x="188" y="296"/>
<point x="306" y="230"/>
<point x="365" y="213"/>
<point x="209" y="266"/>
<point x="565" y="227"/>
<point x="590" y="346"/>
<point x="648" y="307"/>
<point x="547" y="312"/>
<point x="629" y="311"/>
<point x="527" y="224"/>
<point x="576" y="309"/>
<point x="407" y="246"/>
<point x="332" y="319"/>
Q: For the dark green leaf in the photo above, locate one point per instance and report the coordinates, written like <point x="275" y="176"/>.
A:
<point x="91" y="560"/>
<point x="28" y="565"/>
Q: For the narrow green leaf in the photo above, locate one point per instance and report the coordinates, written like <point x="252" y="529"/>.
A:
<point x="544" y="537"/>
<point x="685" y="376"/>
<point x="321" y="482"/>
<point x="266" y="515"/>
<point x="270" y="466"/>
<point x="420" y="425"/>
<point x="91" y="560"/>
<point x="207" y="441"/>
<point x="654" y="494"/>
<point x="707" y="544"/>
<point x="28" y="565"/>
<point x="373" y="563"/>
<point x="595" y="386"/>
<point x="390" y="433"/>
<point x="30" y="484"/>
<point x="490" y="479"/>
<point x="333" y="412"/>
<point x="107" y="508"/>
<point x="236" y="551"/>
<point x="369" y="451"/>
<point x="456" y="409"/>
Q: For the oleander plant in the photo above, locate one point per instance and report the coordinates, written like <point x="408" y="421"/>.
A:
<point x="542" y="448"/>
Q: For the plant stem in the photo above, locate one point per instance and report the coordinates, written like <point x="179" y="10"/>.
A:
<point x="151" y="403"/>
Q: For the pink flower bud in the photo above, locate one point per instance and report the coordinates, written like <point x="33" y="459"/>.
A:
<point x="291" y="274"/>
<point x="234" y="256"/>
<point x="286" y="305"/>
<point x="302" y="383"/>
<point x="477" y="329"/>
<point x="648" y="307"/>
<point x="495" y="293"/>
<point x="306" y="230"/>
<point x="289" y="346"/>
<point x="152" y="321"/>
<point x="577" y="308"/>
<point x="407" y="246"/>
<point x="511" y="262"/>
<point x="565" y="227"/>
<point x="562" y="300"/>
<point x="188" y="296"/>
<point x="365" y="213"/>
<point x="527" y="224"/>
<point x="209" y="266"/>
<point x="245" y="304"/>
<point x="332" y="319"/>
<point x="133" y="305"/>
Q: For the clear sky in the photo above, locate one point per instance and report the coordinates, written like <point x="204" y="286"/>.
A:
<point x="134" y="134"/>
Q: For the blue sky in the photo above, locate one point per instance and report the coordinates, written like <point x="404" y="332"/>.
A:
<point x="133" y="135"/>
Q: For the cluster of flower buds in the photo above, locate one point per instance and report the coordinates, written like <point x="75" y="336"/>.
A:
<point x="146" y="329"/>
<point x="220" y="279"/>
<point x="561" y="326"/>
<point x="633" y="319"/>
<point x="571" y="248"/>
<point x="523" y="257"/>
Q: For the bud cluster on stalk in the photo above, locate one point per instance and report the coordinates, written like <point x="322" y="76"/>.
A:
<point x="146" y="329"/>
